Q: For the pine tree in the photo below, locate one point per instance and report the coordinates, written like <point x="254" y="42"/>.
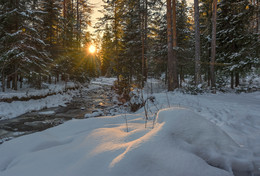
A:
<point x="172" y="57"/>
<point x="131" y="60"/>
<point x="236" y="44"/>
<point x="184" y="40"/>
<point x="158" y="41"/>
<point x="51" y="24"/>
<point x="206" y="32"/>
<point x="107" y="53"/>
<point x="114" y="11"/>
<point x="197" y="42"/>
<point x="22" y="44"/>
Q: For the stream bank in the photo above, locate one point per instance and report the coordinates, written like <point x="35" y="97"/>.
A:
<point x="94" y="101"/>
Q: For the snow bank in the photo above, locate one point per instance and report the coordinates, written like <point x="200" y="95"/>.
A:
<point x="182" y="143"/>
<point x="16" y="108"/>
<point x="29" y="92"/>
<point x="203" y="135"/>
<point x="104" y="81"/>
<point x="205" y="139"/>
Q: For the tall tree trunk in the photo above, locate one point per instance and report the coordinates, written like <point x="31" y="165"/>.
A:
<point x="8" y="82"/>
<point x="72" y="13"/>
<point x="116" y="41"/>
<point x="15" y="86"/>
<point x="49" y="79"/>
<point x="64" y="9"/>
<point x="166" y="71"/>
<point x="145" y="38"/>
<point x="58" y="77"/>
<point x="3" y="82"/>
<point x="237" y="79"/>
<point x="208" y="66"/>
<point x="144" y="41"/>
<point x="208" y="75"/>
<point x="143" y="47"/>
<point x="197" y="43"/>
<point x="213" y="44"/>
<point x="21" y="81"/>
<point x="258" y="21"/>
<point x="170" y="46"/>
<point x="181" y="75"/>
<point x="174" y="60"/>
<point x="64" y="22"/>
<point x="78" y="31"/>
<point x="39" y="81"/>
<point x="232" y="80"/>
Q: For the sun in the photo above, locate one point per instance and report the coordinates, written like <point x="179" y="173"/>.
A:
<point x="92" y="48"/>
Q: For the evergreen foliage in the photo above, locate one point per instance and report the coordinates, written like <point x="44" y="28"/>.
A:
<point x="237" y="45"/>
<point x="45" y="40"/>
<point x="42" y="38"/>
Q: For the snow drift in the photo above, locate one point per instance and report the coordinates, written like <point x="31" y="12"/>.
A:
<point x="204" y="139"/>
<point x="181" y="143"/>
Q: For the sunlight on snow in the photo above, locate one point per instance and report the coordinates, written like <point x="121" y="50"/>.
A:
<point x="117" y="138"/>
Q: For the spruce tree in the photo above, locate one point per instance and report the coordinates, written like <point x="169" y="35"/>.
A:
<point x="184" y="40"/>
<point x="131" y="58"/>
<point x="107" y="53"/>
<point x="22" y="46"/>
<point x="236" y="44"/>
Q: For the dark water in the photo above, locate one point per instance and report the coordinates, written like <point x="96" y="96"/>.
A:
<point x="87" y="101"/>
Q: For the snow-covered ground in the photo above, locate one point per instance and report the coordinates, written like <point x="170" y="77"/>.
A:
<point x="16" y="108"/>
<point x="26" y="91"/>
<point x="203" y="135"/>
<point x="104" y="81"/>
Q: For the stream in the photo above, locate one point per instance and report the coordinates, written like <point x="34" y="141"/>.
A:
<point x="97" y="101"/>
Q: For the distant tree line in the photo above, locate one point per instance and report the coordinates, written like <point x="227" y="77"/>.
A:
<point x="44" y="41"/>
<point x="213" y="43"/>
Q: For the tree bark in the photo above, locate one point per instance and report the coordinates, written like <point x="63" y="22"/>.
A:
<point x="237" y="79"/>
<point x="232" y="80"/>
<point x="145" y="38"/>
<point x="15" y="77"/>
<point x="3" y="82"/>
<point x="143" y="47"/>
<point x="8" y="85"/>
<point x="144" y="42"/>
<point x="197" y="43"/>
<point x="58" y="77"/>
<point x="213" y="44"/>
<point x="116" y="41"/>
<point x="21" y="81"/>
<point x="170" y="46"/>
<point x="174" y="60"/>
<point x="49" y="79"/>
<point x="65" y="25"/>
<point x="64" y="8"/>
<point x="208" y="75"/>
<point x="72" y="12"/>
<point x="181" y="75"/>
<point x="258" y="21"/>
<point x="40" y="81"/>
<point x="78" y="31"/>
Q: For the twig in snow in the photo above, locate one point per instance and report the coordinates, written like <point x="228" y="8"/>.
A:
<point x="155" y="115"/>
<point x="145" y="110"/>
